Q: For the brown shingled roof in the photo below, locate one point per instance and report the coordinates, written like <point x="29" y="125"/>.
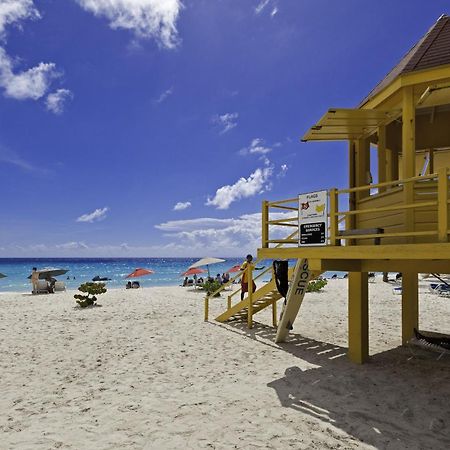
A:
<point x="432" y="50"/>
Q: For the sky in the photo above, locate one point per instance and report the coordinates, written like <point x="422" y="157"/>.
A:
<point x="156" y="127"/>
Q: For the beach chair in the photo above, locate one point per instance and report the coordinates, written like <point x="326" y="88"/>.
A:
<point x="41" y="287"/>
<point x="59" y="286"/>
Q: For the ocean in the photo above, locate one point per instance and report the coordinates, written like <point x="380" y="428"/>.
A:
<point x="167" y="270"/>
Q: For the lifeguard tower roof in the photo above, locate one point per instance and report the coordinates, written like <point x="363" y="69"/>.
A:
<point x="430" y="51"/>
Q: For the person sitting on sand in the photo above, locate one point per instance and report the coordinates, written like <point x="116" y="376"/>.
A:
<point x="128" y="285"/>
<point x="244" y="282"/>
<point x="185" y="281"/>
<point x="219" y="278"/>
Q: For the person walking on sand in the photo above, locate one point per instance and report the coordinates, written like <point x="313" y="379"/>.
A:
<point x="244" y="282"/>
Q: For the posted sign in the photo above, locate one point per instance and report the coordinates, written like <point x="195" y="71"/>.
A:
<point x="313" y="218"/>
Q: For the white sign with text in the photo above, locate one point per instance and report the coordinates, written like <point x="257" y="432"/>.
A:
<point x="313" y="218"/>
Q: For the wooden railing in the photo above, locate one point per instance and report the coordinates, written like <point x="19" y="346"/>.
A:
<point x="428" y="195"/>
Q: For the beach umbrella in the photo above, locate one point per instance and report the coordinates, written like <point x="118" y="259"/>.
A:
<point x="193" y="271"/>
<point x="50" y="272"/>
<point x="139" y="273"/>
<point x="207" y="261"/>
<point x="2" y="275"/>
<point x="236" y="268"/>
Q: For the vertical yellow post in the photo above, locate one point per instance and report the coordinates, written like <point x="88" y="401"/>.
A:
<point x="334" y="218"/>
<point x="250" y="296"/>
<point x="350" y="222"/>
<point x="206" y="308"/>
<point x="274" y="314"/>
<point x="410" y="305"/>
<point x="431" y="161"/>
<point x="362" y="169"/>
<point x="382" y="166"/>
<point x="442" y="204"/>
<point x="358" y="317"/>
<point x="409" y="153"/>
<point x="265" y="224"/>
<point x="229" y="302"/>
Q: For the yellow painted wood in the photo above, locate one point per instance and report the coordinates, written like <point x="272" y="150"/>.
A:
<point x="431" y="163"/>
<point x="410" y="305"/>
<point x="265" y="224"/>
<point x="362" y="168"/>
<point x="358" y="317"/>
<point x="382" y="166"/>
<point x="206" y="309"/>
<point x="443" y="186"/>
<point x="334" y="218"/>
<point x="274" y="314"/>
<point x="365" y="252"/>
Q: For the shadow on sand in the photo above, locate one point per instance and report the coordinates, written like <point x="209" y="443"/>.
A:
<point x="400" y="399"/>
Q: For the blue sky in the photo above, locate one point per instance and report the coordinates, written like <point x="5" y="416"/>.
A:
<point x="156" y="127"/>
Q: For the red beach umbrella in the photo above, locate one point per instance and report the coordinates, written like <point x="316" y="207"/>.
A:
<point x="193" y="271"/>
<point x="236" y="268"/>
<point x="139" y="273"/>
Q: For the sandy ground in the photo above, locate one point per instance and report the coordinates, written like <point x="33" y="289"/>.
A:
<point x="145" y="372"/>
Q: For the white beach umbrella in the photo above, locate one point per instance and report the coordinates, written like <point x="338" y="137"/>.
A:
<point x="206" y="261"/>
<point x="2" y="275"/>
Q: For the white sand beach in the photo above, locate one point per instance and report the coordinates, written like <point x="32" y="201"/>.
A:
<point x="145" y="372"/>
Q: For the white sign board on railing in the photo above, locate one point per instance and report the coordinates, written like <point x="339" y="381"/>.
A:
<point x="313" y="218"/>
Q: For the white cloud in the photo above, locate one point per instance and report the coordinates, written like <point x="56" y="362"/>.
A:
<point x="29" y="84"/>
<point x="283" y="170"/>
<point x="145" y="18"/>
<point x="72" y="246"/>
<point x="33" y="83"/>
<point x="180" y="206"/>
<point x="95" y="216"/>
<point x="56" y="101"/>
<point x="256" y="183"/>
<point x="10" y="157"/>
<point x="274" y="12"/>
<point x="226" y="121"/>
<point x="257" y="147"/>
<point x="164" y="95"/>
<point x="261" y="5"/>
<point x="227" y="236"/>
<point x="13" y="11"/>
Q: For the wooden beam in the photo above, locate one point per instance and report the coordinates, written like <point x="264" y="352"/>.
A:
<point x="380" y="265"/>
<point x="442" y="204"/>
<point x="358" y="317"/>
<point x="362" y="167"/>
<point x="422" y="252"/>
<point x="409" y="154"/>
<point x="382" y="162"/>
<point x="410" y="305"/>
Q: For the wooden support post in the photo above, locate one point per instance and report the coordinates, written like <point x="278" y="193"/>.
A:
<point x="409" y="154"/>
<point x="358" y="317"/>
<point x="362" y="169"/>
<point x="410" y="305"/>
<point x="442" y="204"/>
<point x="250" y="297"/>
<point x="382" y="164"/>
<point x="265" y="224"/>
<point x="206" y="308"/>
<point x="229" y="302"/>
<point x="274" y="314"/>
<point x="431" y="161"/>
<point x="334" y="219"/>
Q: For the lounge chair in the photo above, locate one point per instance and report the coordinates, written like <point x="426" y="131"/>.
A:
<point x="59" y="286"/>
<point x="41" y="287"/>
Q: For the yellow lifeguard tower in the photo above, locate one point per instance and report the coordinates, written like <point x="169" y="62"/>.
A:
<point x="401" y="222"/>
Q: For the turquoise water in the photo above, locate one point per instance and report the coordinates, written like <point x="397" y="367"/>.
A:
<point x="167" y="270"/>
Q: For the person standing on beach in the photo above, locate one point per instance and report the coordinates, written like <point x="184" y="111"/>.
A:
<point x="244" y="281"/>
<point x="34" y="279"/>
